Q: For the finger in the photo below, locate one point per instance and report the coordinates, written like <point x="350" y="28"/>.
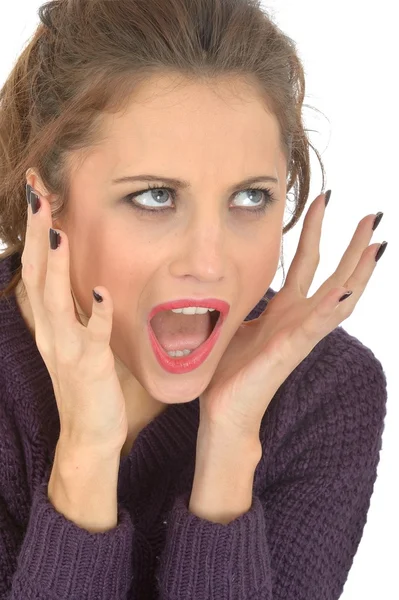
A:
<point x="99" y="328"/>
<point x="330" y="312"/>
<point x="361" y="276"/>
<point x="321" y="320"/>
<point x="307" y="257"/>
<point x="69" y="333"/>
<point x="349" y="261"/>
<point x="79" y="314"/>
<point x="46" y="277"/>
<point x="57" y="297"/>
<point x="34" y="264"/>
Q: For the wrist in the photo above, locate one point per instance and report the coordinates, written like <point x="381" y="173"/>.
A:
<point x="83" y="488"/>
<point x="227" y="443"/>
<point x="224" y="475"/>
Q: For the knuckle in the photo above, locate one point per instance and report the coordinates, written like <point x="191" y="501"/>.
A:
<point x="51" y="308"/>
<point x="54" y="305"/>
<point x="28" y="270"/>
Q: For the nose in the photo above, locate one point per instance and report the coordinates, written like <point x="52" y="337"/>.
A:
<point x="202" y="251"/>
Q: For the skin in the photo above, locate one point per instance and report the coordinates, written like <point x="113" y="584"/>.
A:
<point x="208" y="245"/>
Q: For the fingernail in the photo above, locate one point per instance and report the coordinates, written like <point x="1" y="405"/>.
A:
<point x="345" y="296"/>
<point x="97" y="297"/>
<point x="34" y="202"/>
<point x="28" y="191"/>
<point x="381" y="251"/>
<point x="55" y="239"/>
<point x="377" y="220"/>
<point x="327" y="197"/>
<point x="32" y="198"/>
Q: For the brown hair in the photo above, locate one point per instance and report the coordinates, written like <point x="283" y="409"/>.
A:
<point x="87" y="56"/>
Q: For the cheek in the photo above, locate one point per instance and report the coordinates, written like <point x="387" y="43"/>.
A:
<point x="99" y="256"/>
<point x="262" y="256"/>
<point x="260" y="266"/>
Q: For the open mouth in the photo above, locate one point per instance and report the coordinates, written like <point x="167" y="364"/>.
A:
<point x="179" y="332"/>
<point x="215" y="315"/>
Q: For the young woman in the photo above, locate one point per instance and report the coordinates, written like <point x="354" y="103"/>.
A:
<point x="187" y="431"/>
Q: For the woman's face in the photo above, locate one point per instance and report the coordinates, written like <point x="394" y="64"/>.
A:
<point x="207" y="244"/>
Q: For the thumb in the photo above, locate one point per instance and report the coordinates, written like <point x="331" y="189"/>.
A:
<point x="100" y="323"/>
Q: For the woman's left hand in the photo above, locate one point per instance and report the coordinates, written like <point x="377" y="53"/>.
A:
<point x="264" y="351"/>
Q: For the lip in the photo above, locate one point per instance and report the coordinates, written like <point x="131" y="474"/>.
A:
<point x="220" y="305"/>
<point x="185" y="364"/>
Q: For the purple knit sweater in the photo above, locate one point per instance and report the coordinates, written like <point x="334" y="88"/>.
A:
<point x="321" y="439"/>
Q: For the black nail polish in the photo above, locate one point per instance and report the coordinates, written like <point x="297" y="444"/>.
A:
<point x="28" y="191"/>
<point x="55" y="239"/>
<point x="377" y="220"/>
<point x="381" y="251"/>
<point x="97" y="297"/>
<point x="34" y="202"/>
<point x="32" y="198"/>
<point x="345" y="296"/>
<point x="327" y="197"/>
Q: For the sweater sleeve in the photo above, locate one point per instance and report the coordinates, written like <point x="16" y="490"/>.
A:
<point x="299" y="539"/>
<point x="59" y="559"/>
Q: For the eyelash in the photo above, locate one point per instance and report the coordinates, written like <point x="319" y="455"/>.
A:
<point x="269" y="198"/>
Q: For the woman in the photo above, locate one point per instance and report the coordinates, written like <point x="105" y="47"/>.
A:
<point x="149" y="453"/>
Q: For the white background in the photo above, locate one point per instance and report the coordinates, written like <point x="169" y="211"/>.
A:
<point x="351" y="63"/>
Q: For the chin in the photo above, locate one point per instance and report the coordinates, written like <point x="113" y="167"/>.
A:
<point x="176" y="393"/>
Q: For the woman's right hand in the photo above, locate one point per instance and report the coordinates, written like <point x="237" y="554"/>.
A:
<point x="81" y="364"/>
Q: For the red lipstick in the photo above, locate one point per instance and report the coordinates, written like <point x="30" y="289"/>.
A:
<point x="194" y="360"/>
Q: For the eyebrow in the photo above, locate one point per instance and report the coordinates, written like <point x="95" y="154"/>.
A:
<point x="184" y="185"/>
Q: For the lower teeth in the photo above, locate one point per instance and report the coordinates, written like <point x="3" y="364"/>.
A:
<point x="177" y="353"/>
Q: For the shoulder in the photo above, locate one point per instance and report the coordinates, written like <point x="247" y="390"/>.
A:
<point x="339" y="390"/>
<point x="343" y="360"/>
<point x="337" y="360"/>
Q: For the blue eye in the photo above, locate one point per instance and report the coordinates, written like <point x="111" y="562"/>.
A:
<point x="268" y="198"/>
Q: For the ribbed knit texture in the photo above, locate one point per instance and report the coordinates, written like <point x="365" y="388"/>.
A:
<point x="321" y="439"/>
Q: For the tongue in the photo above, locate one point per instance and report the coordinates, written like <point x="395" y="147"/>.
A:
<point x="176" y="331"/>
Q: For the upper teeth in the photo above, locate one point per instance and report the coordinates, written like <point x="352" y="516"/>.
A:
<point x="192" y="310"/>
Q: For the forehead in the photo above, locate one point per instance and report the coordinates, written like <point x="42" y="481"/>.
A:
<point x="197" y="110"/>
<point x="169" y="120"/>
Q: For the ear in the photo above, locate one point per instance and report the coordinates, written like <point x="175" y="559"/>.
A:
<point x="35" y="181"/>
